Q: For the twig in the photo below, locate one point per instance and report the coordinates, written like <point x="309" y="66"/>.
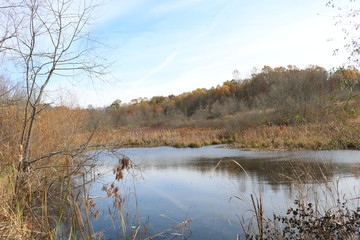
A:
<point x="67" y="152"/>
<point x="156" y="235"/>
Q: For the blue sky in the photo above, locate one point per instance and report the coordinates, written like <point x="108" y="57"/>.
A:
<point x="163" y="47"/>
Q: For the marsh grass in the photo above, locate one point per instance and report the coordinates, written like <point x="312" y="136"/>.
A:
<point x="31" y="215"/>
<point x="315" y="136"/>
<point x="39" y="206"/>
<point x="183" y="137"/>
<point x="12" y="223"/>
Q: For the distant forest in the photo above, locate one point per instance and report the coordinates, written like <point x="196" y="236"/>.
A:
<point x="274" y="96"/>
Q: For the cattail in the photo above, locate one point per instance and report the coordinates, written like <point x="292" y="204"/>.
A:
<point x="109" y="193"/>
<point x="119" y="175"/>
<point x="125" y="162"/>
<point x="96" y="214"/>
<point x="116" y="190"/>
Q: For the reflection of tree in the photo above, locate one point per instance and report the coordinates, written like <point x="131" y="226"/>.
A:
<point x="277" y="173"/>
<point x="356" y="171"/>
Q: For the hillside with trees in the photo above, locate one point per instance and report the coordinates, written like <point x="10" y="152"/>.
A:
<point x="283" y="96"/>
<point x="273" y="97"/>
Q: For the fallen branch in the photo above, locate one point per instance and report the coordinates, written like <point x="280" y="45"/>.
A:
<point x="156" y="235"/>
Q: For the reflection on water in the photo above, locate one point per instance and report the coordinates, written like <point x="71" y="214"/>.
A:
<point x="169" y="185"/>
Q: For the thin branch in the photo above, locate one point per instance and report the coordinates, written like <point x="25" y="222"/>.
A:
<point x="70" y="152"/>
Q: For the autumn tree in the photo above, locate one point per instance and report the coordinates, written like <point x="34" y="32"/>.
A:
<point x="347" y="79"/>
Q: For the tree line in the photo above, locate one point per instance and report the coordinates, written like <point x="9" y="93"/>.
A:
<point x="287" y="94"/>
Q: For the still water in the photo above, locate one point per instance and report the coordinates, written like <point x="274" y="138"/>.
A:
<point x="212" y="186"/>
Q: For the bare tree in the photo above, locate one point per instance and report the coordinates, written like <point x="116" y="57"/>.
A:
<point x="46" y="40"/>
<point x="348" y="19"/>
<point x="8" y="30"/>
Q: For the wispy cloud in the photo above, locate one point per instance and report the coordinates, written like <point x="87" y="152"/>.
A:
<point x="158" y="68"/>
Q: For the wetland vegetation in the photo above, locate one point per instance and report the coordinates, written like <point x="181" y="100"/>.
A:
<point x="68" y="172"/>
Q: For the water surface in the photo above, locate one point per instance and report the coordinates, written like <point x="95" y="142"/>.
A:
<point x="169" y="185"/>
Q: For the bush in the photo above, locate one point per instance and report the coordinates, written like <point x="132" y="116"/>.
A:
<point x="304" y="221"/>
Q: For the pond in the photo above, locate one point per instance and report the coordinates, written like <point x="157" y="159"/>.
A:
<point x="211" y="186"/>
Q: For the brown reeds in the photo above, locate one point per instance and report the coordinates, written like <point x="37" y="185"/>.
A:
<point x="183" y="137"/>
<point x="315" y="136"/>
<point x="259" y="214"/>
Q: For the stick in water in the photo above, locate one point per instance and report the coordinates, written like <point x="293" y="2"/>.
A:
<point x="156" y="235"/>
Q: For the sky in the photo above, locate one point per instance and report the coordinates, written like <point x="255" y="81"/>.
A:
<point x="164" y="47"/>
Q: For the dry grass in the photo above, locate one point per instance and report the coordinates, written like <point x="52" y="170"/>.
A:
<point x="305" y="136"/>
<point x="183" y="137"/>
<point x="33" y="213"/>
<point x="12" y="224"/>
